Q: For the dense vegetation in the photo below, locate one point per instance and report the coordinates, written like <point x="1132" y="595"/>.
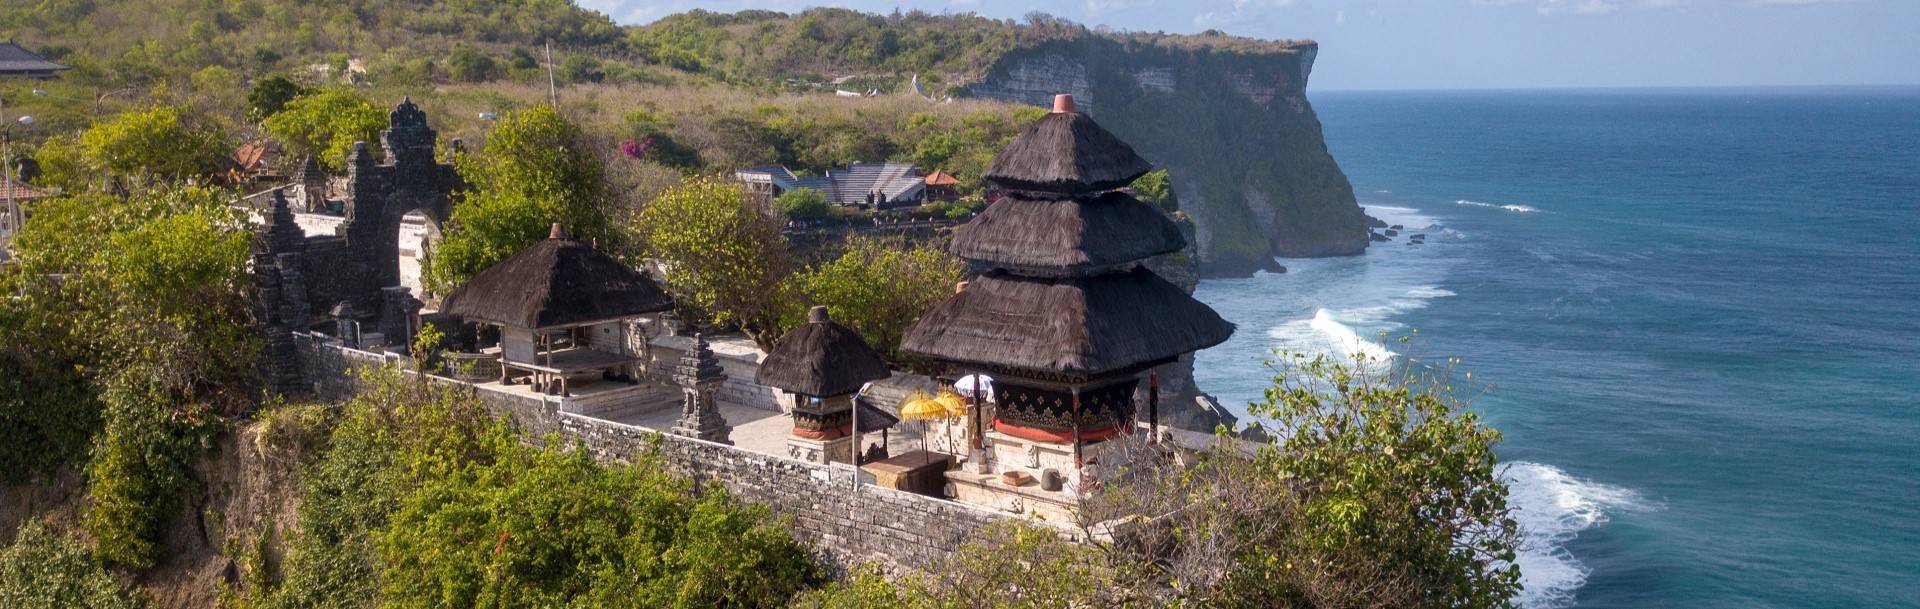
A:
<point x="419" y="498"/>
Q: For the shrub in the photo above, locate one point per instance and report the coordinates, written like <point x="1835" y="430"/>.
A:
<point x="804" y="204"/>
<point x="42" y="569"/>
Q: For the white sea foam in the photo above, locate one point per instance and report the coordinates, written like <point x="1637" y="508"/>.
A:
<point x="1515" y="208"/>
<point x="1552" y="508"/>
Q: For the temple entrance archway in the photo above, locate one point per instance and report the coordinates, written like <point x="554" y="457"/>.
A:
<point x="417" y="235"/>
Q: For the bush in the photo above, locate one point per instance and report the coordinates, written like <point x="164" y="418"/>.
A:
<point x="270" y="95"/>
<point x="804" y="204"/>
<point x="42" y="569"/>
<point x="423" y="500"/>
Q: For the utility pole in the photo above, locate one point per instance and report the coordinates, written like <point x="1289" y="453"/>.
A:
<point x="6" y="160"/>
<point x="553" y="90"/>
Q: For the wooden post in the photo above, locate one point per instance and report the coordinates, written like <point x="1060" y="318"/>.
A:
<point x="856" y="437"/>
<point x="1077" y="464"/>
<point x="1153" y="407"/>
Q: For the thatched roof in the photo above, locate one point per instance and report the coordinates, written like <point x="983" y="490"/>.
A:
<point x="556" y="282"/>
<point x="821" y="358"/>
<point x="1065" y="152"/>
<point x="1074" y="326"/>
<point x="874" y="418"/>
<point x="1064" y="237"/>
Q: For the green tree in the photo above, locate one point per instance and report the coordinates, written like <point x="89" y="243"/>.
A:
<point x="1398" y="495"/>
<point x="270" y="95"/>
<point x="469" y="64"/>
<point x="538" y="168"/>
<point x="42" y="569"/>
<point x="151" y="301"/>
<point x="326" y="123"/>
<point x="725" y="258"/>
<point x="803" y="204"/>
<point x="581" y="68"/>
<point x="1156" y="188"/>
<point x="878" y="288"/>
<point x="421" y="498"/>
<point x="162" y="141"/>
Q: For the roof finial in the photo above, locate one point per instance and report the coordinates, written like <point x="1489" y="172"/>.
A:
<point x="960" y="287"/>
<point x="559" y="232"/>
<point x="1063" y="103"/>
<point x="818" y="315"/>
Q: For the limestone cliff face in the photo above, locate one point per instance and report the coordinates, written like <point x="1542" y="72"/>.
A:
<point x="1232" y="125"/>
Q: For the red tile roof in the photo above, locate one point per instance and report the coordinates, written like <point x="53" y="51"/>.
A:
<point x="22" y="191"/>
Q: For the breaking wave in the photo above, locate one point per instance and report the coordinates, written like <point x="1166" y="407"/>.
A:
<point x="1552" y="508"/>
<point x="1515" y="208"/>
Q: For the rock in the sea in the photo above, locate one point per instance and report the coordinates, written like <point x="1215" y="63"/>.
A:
<point x="1396" y="227"/>
<point x="1373" y="222"/>
<point x="1418" y="236"/>
<point x="1392" y="233"/>
<point x="1378" y="238"/>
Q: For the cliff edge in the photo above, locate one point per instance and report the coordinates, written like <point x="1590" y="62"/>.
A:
<point x="1229" y="120"/>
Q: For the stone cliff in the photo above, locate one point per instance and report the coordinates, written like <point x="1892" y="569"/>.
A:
<point x="1230" y="121"/>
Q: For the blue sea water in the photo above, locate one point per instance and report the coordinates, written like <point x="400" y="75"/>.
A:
<point x="1699" y="311"/>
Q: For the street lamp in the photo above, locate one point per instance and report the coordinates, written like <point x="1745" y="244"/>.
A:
<point x="96" y="99"/>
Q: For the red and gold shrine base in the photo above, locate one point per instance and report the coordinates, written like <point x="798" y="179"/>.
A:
<point x="824" y="434"/>
<point x="1057" y="437"/>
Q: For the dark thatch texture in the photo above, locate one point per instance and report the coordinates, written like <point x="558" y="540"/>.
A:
<point x="874" y="418"/>
<point x="1066" y="153"/>
<point x="556" y="282"/>
<point x="1079" y="326"/>
<point x="821" y="358"/>
<point x="1066" y="237"/>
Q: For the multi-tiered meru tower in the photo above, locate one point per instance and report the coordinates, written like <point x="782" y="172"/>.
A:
<point x="1063" y="315"/>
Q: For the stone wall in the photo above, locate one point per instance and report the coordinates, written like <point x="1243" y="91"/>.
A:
<point x="847" y="524"/>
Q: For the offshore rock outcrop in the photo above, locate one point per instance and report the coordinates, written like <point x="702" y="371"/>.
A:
<point x="1230" y="121"/>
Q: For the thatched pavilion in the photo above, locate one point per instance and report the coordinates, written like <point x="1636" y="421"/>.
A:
<point x="821" y="364"/>
<point x="555" y="302"/>
<point x="1065" y="318"/>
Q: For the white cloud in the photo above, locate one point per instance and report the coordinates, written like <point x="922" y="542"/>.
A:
<point x="1790" y="2"/>
<point x="1097" y="8"/>
<point x="1240" y="11"/>
<point x="1577" y="7"/>
<point x="1340" y="17"/>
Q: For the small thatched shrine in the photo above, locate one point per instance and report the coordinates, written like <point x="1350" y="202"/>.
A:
<point x="560" y="305"/>
<point x="820" y="365"/>
<point x="1064" y="317"/>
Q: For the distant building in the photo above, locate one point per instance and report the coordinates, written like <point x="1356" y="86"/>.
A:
<point x="942" y="186"/>
<point x="17" y="61"/>
<point x="862" y="185"/>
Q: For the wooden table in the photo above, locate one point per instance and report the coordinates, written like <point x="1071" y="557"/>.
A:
<point x="558" y="365"/>
<point x="919" y="472"/>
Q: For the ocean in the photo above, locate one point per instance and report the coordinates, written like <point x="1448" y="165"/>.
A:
<point x="1698" y="312"/>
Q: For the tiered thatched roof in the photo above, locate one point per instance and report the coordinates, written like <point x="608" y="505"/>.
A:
<point x="557" y="282"/>
<point x="1066" y="296"/>
<point x="1066" y="153"/>
<point x="821" y="358"/>
<point x="1080" y="326"/>
<point x="1048" y="236"/>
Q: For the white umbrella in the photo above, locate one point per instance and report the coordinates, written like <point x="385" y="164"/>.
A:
<point x="977" y="386"/>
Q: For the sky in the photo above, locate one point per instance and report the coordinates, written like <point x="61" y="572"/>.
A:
<point x="1492" y="44"/>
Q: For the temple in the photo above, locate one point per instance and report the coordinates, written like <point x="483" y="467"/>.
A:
<point x="335" y="263"/>
<point x="1062" y="316"/>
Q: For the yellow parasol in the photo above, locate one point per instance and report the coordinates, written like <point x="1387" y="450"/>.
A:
<point x="954" y="405"/>
<point x="919" y="406"/>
